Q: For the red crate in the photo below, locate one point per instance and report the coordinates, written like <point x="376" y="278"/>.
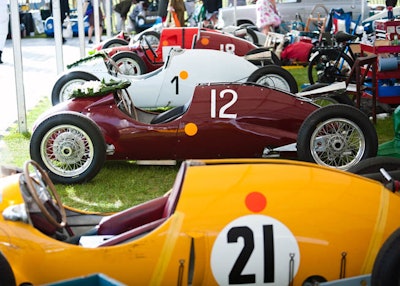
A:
<point x="391" y="28"/>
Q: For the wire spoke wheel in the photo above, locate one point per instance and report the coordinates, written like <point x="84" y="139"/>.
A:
<point x="69" y="146"/>
<point x="337" y="143"/>
<point x="67" y="150"/>
<point x="338" y="136"/>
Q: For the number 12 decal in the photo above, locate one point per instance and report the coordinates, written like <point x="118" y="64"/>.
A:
<point x="223" y="110"/>
<point x="254" y="249"/>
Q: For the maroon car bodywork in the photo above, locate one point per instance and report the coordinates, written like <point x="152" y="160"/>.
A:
<point x="222" y="121"/>
<point x="187" y="38"/>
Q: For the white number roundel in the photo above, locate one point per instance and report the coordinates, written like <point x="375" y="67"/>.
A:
<point x="255" y="250"/>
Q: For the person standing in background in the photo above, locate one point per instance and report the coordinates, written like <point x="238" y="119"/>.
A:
<point x="178" y="6"/>
<point x="267" y="15"/>
<point x="163" y="9"/>
<point x="212" y="7"/>
<point x="64" y="11"/>
<point x="90" y="13"/>
<point x="4" y="20"/>
<point x="121" y="12"/>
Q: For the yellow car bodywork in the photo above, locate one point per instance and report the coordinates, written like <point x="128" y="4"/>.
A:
<point x="236" y="221"/>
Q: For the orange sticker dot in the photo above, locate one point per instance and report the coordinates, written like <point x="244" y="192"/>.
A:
<point x="256" y="202"/>
<point x="183" y="74"/>
<point x="164" y="43"/>
<point x="204" y="41"/>
<point x="191" y="129"/>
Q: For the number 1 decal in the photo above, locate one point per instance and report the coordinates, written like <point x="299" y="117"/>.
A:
<point x="254" y="249"/>
<point x="176" y="80"/>
<point x="222" y="111"/>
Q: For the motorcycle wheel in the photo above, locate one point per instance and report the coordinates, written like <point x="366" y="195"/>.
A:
<point x="324" y="67"/>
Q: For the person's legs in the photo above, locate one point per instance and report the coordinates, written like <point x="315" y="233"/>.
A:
<point x="118" y="20"/>
<point x="3" y="37"/>
<point x="90" y="33"/>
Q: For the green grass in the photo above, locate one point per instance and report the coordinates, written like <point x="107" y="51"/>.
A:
<point x="120" y="184"/>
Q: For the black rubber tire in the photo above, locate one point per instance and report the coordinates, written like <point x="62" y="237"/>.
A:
<point x="351" y="128"/>
<point x="371" y="168"/>
<point x="64" y="128"/>
<point x="129" y="63"/>
<point x="374" y="164"/>
<point x="385" y="271"/>
<point x="6" y="273"/>
<point x="266" y="75"/>
<point x="324" y="56"/>
<point x="62" y="85"/>
<point x="251" y="37"/>
<point x="115" y="43"/>
<point x="152" y="34"/>
<point x="274" y="60"/>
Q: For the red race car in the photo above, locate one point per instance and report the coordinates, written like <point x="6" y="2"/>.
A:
<point x="147" y="57"/>
<point x="73" y="139"/>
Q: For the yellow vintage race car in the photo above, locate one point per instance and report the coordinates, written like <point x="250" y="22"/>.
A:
<point x="224" y="222"/>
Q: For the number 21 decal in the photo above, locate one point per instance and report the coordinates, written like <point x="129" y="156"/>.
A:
<point x="254" y="249"/>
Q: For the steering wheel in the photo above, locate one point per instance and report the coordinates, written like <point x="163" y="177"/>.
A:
<point x="40" y="185"/>
<point x="150" y="47"/>
<point x="127" y="102"/>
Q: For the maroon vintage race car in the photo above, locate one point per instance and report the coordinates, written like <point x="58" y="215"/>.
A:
<point x="142" y="56"/>
<point x="223" y="120"/>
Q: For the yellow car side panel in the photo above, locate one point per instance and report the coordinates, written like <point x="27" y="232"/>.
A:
<point x="157" y="258"/>
<point x="317" y="218"/>
<point x="329" y="213"/>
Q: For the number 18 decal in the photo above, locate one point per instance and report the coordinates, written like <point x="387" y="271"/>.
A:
<point x="254" y="250"/>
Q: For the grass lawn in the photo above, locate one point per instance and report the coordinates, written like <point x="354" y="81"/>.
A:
<point x="120" y="185"/>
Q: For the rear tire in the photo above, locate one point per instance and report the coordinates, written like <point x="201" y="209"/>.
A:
<point x="275" y="77"/>
<point x="338" y="136"/>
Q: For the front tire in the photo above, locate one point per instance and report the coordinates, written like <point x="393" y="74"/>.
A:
<point x="6" y="273"/>
<point x="129" y="63"/>
<point x="66" y="84"/>
<point x="114" y="43"/>
<point x="386" y="267"/>
<point x="275" y="77"/>
<point x="372" y="166"/>
<point x="69" y="146"/>
<point x="337" y="136"/>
